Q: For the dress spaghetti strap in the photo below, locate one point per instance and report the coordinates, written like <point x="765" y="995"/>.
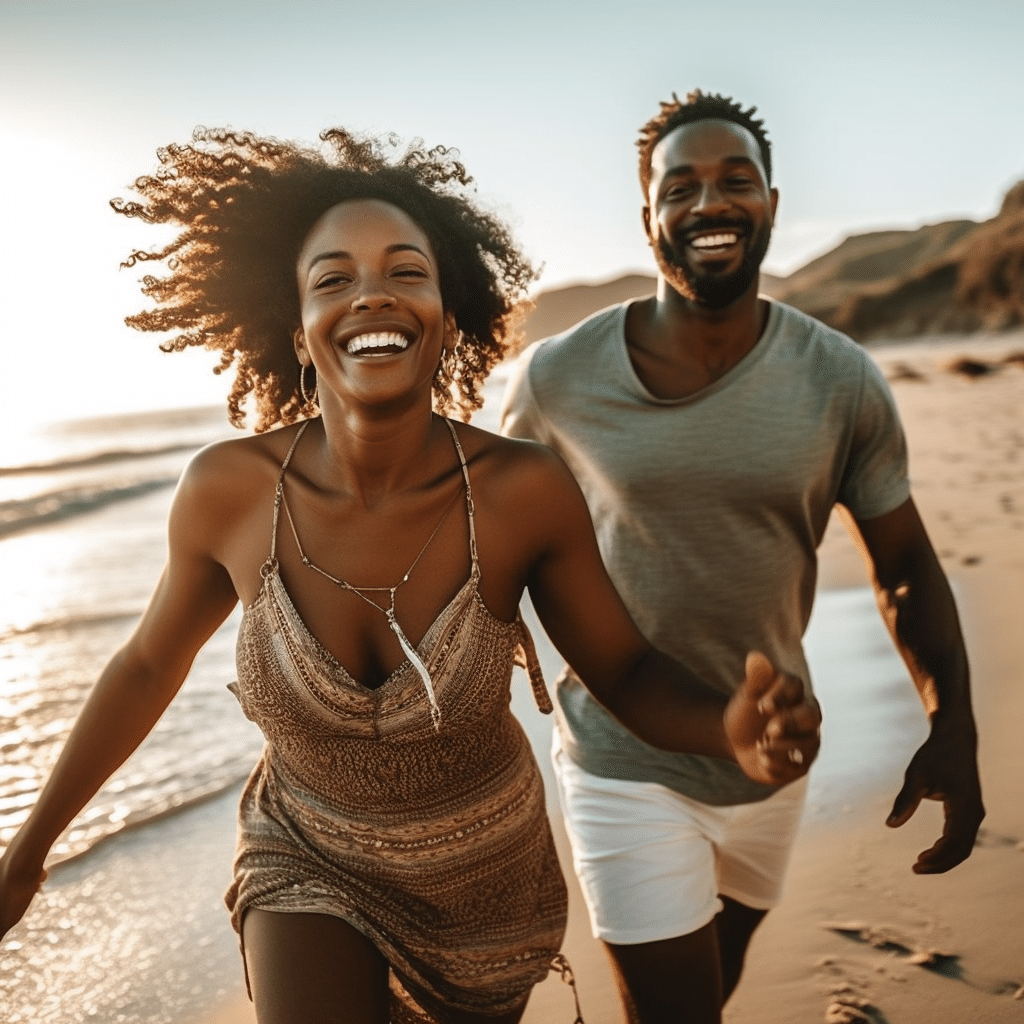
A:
<point x="470" y="508"/>
<point x="279" y="496"/>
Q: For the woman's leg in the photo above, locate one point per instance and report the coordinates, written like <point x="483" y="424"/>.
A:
<point x="318" y="969"/>
<point x="313" y="968"/>
<point x="464" y="1017"/>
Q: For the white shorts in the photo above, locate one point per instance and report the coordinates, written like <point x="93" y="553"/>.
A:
<point x="652" y="862"/>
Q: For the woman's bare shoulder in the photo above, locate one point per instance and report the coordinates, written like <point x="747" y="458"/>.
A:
<point x="226" y="479"/>
<point x="518" y="474"/>
<point x="524" y="461"/>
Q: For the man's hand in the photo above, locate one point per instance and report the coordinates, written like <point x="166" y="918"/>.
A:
<point x="773" y="724"/>
<point x="944" y="768"/>
<point x="920" y="613"/>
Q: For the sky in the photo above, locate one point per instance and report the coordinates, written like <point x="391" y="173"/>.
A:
<point x="881" y="114"/>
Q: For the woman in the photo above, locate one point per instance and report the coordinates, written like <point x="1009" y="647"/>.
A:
<point x="395" y="824"/>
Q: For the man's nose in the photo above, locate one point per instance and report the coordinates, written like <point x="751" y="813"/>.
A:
<point x="709" y="199"/>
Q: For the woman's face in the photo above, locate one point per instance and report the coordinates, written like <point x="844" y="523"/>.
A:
<point x="373" y="323"/>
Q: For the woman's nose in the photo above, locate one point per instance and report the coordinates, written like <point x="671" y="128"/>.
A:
<point x="372" y="297"/>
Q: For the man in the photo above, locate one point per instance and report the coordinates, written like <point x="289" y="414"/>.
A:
<point x="712" y="432"/>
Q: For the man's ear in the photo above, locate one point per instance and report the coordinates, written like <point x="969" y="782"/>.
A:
<point x="645" y="217"/>
<point x="774" y="193"/>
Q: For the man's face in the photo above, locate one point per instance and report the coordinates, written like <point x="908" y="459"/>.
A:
<point x="710" y="211"/>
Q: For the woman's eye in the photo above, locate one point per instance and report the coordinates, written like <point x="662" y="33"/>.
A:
<point x="409" y="272"/>
<point x="330" y="280"/>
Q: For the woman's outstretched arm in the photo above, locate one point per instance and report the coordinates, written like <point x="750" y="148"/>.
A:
<point x="193" y="597"/>
<point x="656" y="697"/>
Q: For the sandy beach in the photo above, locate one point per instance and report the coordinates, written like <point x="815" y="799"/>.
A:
<point x="858" y="937"/>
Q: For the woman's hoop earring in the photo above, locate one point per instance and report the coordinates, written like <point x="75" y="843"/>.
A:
<point x="450" y="359"/>
<point x="309" y="399"/>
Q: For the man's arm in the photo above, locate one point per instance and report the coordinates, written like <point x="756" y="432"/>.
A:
<point x="918" y="608"/>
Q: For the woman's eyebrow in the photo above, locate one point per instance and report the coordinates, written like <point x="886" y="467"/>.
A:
<point x="340" y="254"/>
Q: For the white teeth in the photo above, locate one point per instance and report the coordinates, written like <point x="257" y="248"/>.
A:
<point x="713" y="241"/>
<point x="365" y="341"/>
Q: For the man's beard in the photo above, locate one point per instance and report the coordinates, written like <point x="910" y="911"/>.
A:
<point x="707" y="288"/>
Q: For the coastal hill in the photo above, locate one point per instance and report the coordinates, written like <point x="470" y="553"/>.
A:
<point x="955" y="277"/>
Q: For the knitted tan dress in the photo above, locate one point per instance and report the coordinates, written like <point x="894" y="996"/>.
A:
<point x="433" y="841"/>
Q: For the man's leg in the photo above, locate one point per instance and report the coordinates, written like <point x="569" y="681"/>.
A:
<point x="688" y="978"/>
<point x="645" y="859"/>
<point x="752" y="856"/>
<point x="735" y="925"/>
<point x="675" y="888"/>
<point x="671" y="981"/>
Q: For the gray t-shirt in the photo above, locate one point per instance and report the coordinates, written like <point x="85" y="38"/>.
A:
<point x="709" y="509"/>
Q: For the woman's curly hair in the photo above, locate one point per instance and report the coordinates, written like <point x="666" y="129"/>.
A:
<point x="246" y="204"/>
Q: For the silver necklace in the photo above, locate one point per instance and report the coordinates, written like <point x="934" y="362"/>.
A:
<point x="389" y="612"/>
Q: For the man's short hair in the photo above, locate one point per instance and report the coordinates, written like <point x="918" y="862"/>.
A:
<point x="699" y="106"/>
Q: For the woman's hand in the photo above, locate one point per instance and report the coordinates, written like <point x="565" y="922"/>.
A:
<point x="17" y="890"/>
<point x="773" y="724"/>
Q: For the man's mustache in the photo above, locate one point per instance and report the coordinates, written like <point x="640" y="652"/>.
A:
<point x="709" y="224"/>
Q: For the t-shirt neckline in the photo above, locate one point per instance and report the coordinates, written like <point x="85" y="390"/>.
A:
<point x="751" y="359"/>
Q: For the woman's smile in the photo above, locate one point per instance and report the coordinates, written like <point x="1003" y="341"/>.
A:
<point x="377" y="344"/>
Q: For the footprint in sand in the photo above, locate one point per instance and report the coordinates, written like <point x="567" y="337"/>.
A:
<point x="971" y="368"/>
<point x="853" y="1010"/>
<point x="847" y="994"/>
<point x="992" y="840"/>
<point x="889" y="940"/>
<point x="904" y="371"/>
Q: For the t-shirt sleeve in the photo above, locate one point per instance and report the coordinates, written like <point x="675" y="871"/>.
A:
<point x="520" y="415"/>
<point x="875" y="480"/>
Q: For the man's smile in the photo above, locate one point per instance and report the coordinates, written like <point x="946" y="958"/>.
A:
<point x="718" y="242"/>
<point x="708" y="238"/>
